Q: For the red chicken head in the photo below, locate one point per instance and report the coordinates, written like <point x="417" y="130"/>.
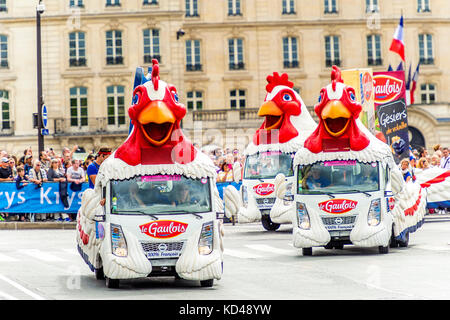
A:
<point x="337" y="111"/>
<point x="156" y="137"/>
<point x="280" y="104"/>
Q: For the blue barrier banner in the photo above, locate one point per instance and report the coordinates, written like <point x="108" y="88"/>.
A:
<point x="30" y="199"/>
<point x="223" y="185"/>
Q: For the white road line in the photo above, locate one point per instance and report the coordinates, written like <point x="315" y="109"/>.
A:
<point x="41" y="255"/>
<point x="7" y="296"/>
<point x="241" y="254"/>
<point x="21" y="288"/>
<point x="270" y="249"/>
<point x="5" y="258"/>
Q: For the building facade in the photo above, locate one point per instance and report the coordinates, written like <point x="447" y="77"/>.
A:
<point x="217" y="53"/>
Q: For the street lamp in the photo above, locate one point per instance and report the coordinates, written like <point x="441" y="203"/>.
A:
<point x="40" y="8"/>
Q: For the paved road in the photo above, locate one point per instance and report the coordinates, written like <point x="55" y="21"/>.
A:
<point x="44" y="264"/>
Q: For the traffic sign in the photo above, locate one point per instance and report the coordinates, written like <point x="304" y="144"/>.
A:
<point x="44" y="132"/>
<point x="44" y="117"/>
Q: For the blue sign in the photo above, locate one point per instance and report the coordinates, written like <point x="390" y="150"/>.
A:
<point x="44" y="116"/>
<point x="44" y="132"/>
<point x="30" y="199"/>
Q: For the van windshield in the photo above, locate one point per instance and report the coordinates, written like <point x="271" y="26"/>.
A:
<point x="349" y="176"/>
<point x="160" y="194"/>
<point x="266" y="165"/>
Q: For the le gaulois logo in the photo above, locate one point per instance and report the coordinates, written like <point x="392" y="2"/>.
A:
<point x="338" y="206"/>
<point x="264" y="189"/>
<point x="387" y="88"/>
<point x="163" y="229"/>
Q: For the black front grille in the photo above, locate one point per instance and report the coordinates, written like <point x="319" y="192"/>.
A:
<point x="265" y="200"/>
<point x="154" y="246"/>
<point x="328" y="221"/>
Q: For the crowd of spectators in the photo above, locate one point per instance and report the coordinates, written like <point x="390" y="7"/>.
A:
<point x="225" y="160"/>
<point x="66" y="168"/>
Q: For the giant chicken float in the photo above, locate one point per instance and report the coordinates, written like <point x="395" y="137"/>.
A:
<point x="348" y="188"/>
<point x="286" y="125"/>
<point x="160" y="198"/>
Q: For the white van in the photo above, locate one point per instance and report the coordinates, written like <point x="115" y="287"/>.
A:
<point x="341" y="202"/>
<point x="151" y="225"/>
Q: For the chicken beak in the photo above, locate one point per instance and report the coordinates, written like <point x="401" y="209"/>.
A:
<point x="273" y="114"/>
<point x="336" y="117"/>
<point x="157" y="121"/>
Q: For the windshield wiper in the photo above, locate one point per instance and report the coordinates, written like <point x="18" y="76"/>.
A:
<point x="365" y="192"/>
<point x="186" y="212"/>
<point x="136" y="211"/>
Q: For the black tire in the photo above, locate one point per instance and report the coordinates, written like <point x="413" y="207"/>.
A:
<point x="207" y="283"/>
<point x="268" y="224"/>
<point x="383" y="250"/>
<point x="112" y="283"/>
<point x="329" y="246"/>
<point x="339" y="246"/>
<point x="99" y="275"/>
<point x="307" y="251"/>
<point x="404" y="244"/>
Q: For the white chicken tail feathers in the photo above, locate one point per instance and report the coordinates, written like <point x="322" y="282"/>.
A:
<point x="237" y="172"/>
<point x="233" y="201"/>
<point x="280" y="186"/>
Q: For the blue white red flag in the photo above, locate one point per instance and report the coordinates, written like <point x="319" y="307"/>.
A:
<point x="397" y="44"/>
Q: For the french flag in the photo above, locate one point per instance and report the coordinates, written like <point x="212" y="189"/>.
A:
<point x="414" y="84"/>
<point x="397" y="44"/>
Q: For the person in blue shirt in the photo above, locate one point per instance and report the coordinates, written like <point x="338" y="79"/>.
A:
<point x="404" y="166"/>
<point x="316" y="179"/>
<point x="93" y="168"/>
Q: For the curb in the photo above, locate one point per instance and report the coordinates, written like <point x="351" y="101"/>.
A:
<point x="11" y="225"/>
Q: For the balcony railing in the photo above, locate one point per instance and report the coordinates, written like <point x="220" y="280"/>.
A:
<point x="375" y="62"/>
<point x="97" y="125"/>
<point x="4" y="64"/>
<point x="194" y="67"/>
<point x="290" y="64"/>
<point x="80" y="62"/>
<point x="426" y="60"/>
<point x="330" y="63"/>
<point x="237" y="66"/>
<point x="114" y="60"/>
<point x="148" y="58"/>
<point x="7" y="128"/>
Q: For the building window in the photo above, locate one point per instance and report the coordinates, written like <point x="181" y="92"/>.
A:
<point x="234" y="7"/>
<point x="3" y="51"/>
<point x="116" y="105"/>
<point x="193" y="55"/>
<point x="194" y="100"/>
<point x="3" y="6"/>
<point x="192" y="8"/>
<point x="77" y="49"/>
<point x="113" y="3"/>
<point x="426" y="49"/>
<point x="330" y="6"/>
<point x="4" y="114"/>
<point x="114" y="47"/>
<point x="374" y="50"/>
<point x="290" y="52"/>
<point x="332" y="56"/>
<point x="236" y="54"/>
<point x="423" y="6"/>
<point x="76" y="4"/>
<point x="372" y="6"/>
<point x="428" y="93"/>
<point x="149" y="2"/>
<point x="151" y="45"/>
<point x="237" y="99"/>
<point x="288" y="7"/>
<point x="78" y="107"/>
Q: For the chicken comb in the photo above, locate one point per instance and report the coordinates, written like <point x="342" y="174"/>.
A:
<point x="155" y="74"/>
<point x="277" y="80"/>
<point x="335" y="77"/>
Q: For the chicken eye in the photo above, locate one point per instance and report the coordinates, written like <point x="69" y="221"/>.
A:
<point x="287" y="97"/>
<point x="175" y="96"/>
<point x="352" y="96"/>
<point x="320" y="98"/>
<point x="135" y="99"/>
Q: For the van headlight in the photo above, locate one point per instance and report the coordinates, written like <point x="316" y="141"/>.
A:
<point x="205" y="243"/>
<point x="118" y="242"/>
<point x="303" y="217"/>
<point x="374" y="215"/>
<point x="244" y="196"/>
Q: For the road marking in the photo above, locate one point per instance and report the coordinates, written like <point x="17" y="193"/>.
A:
<point x="21" y="288"/>
<point x="270" y="249"/>
<point x="241" y="254"/>
<point x="7" y="296"/>
<point x="5" y="258"/>
<point x="41" y="255"/>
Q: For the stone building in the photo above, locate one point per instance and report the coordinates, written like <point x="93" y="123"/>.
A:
<point x="217" y="53"/>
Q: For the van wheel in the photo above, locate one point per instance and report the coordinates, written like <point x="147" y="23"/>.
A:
<point x="268" y="224"/>
<point x="99" y="275"/>
<point x="307" y="251"/>
<point x="112" y="283"/>
<point x="328" y="246"/>
<point x="207" y="283"/>
<point x="339" y="246"/>
<point x="383" y="250"/>
<point x="404" y="244"/>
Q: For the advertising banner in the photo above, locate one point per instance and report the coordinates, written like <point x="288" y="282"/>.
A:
<point x="393" y="121"/>
<point x="389" y="87"/>
<point x="362" y="81"/>
<point x="30" y="199"/>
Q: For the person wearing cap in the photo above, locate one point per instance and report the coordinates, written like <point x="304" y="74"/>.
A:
<point x="5" y="171"/>
<point x="28" y="164"/>
<point x="38" y="176"/>
<point x="93" y="168"/>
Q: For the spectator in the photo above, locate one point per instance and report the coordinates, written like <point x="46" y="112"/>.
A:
<point x="26" y="152"/>
<point x="445" y="160"/>
<point x="51" y="153"/>
<point x="423" y="164"/>
<point x="5" y="171"/>
<point x="21" y="182"/>
<point x="404" y="166"/>
<point x="45" y="160"/>
<point x="75" y="175"/>
<point x="435" y="161"/>
<point x="225" y="174"/>
<point x="13" y="165"/>
<point x="55" y="174"/>
<point x="423" y="153"/>
<point x="93" y="168"/>
<point x="28" y="164"/>
<point x="38" y="176"/>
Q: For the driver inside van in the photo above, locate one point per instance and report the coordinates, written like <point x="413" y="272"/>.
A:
<point x="316" y="179"/>
<point x="180" y="195"/>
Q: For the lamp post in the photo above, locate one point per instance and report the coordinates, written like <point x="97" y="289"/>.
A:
<point x="40" y="8"/>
